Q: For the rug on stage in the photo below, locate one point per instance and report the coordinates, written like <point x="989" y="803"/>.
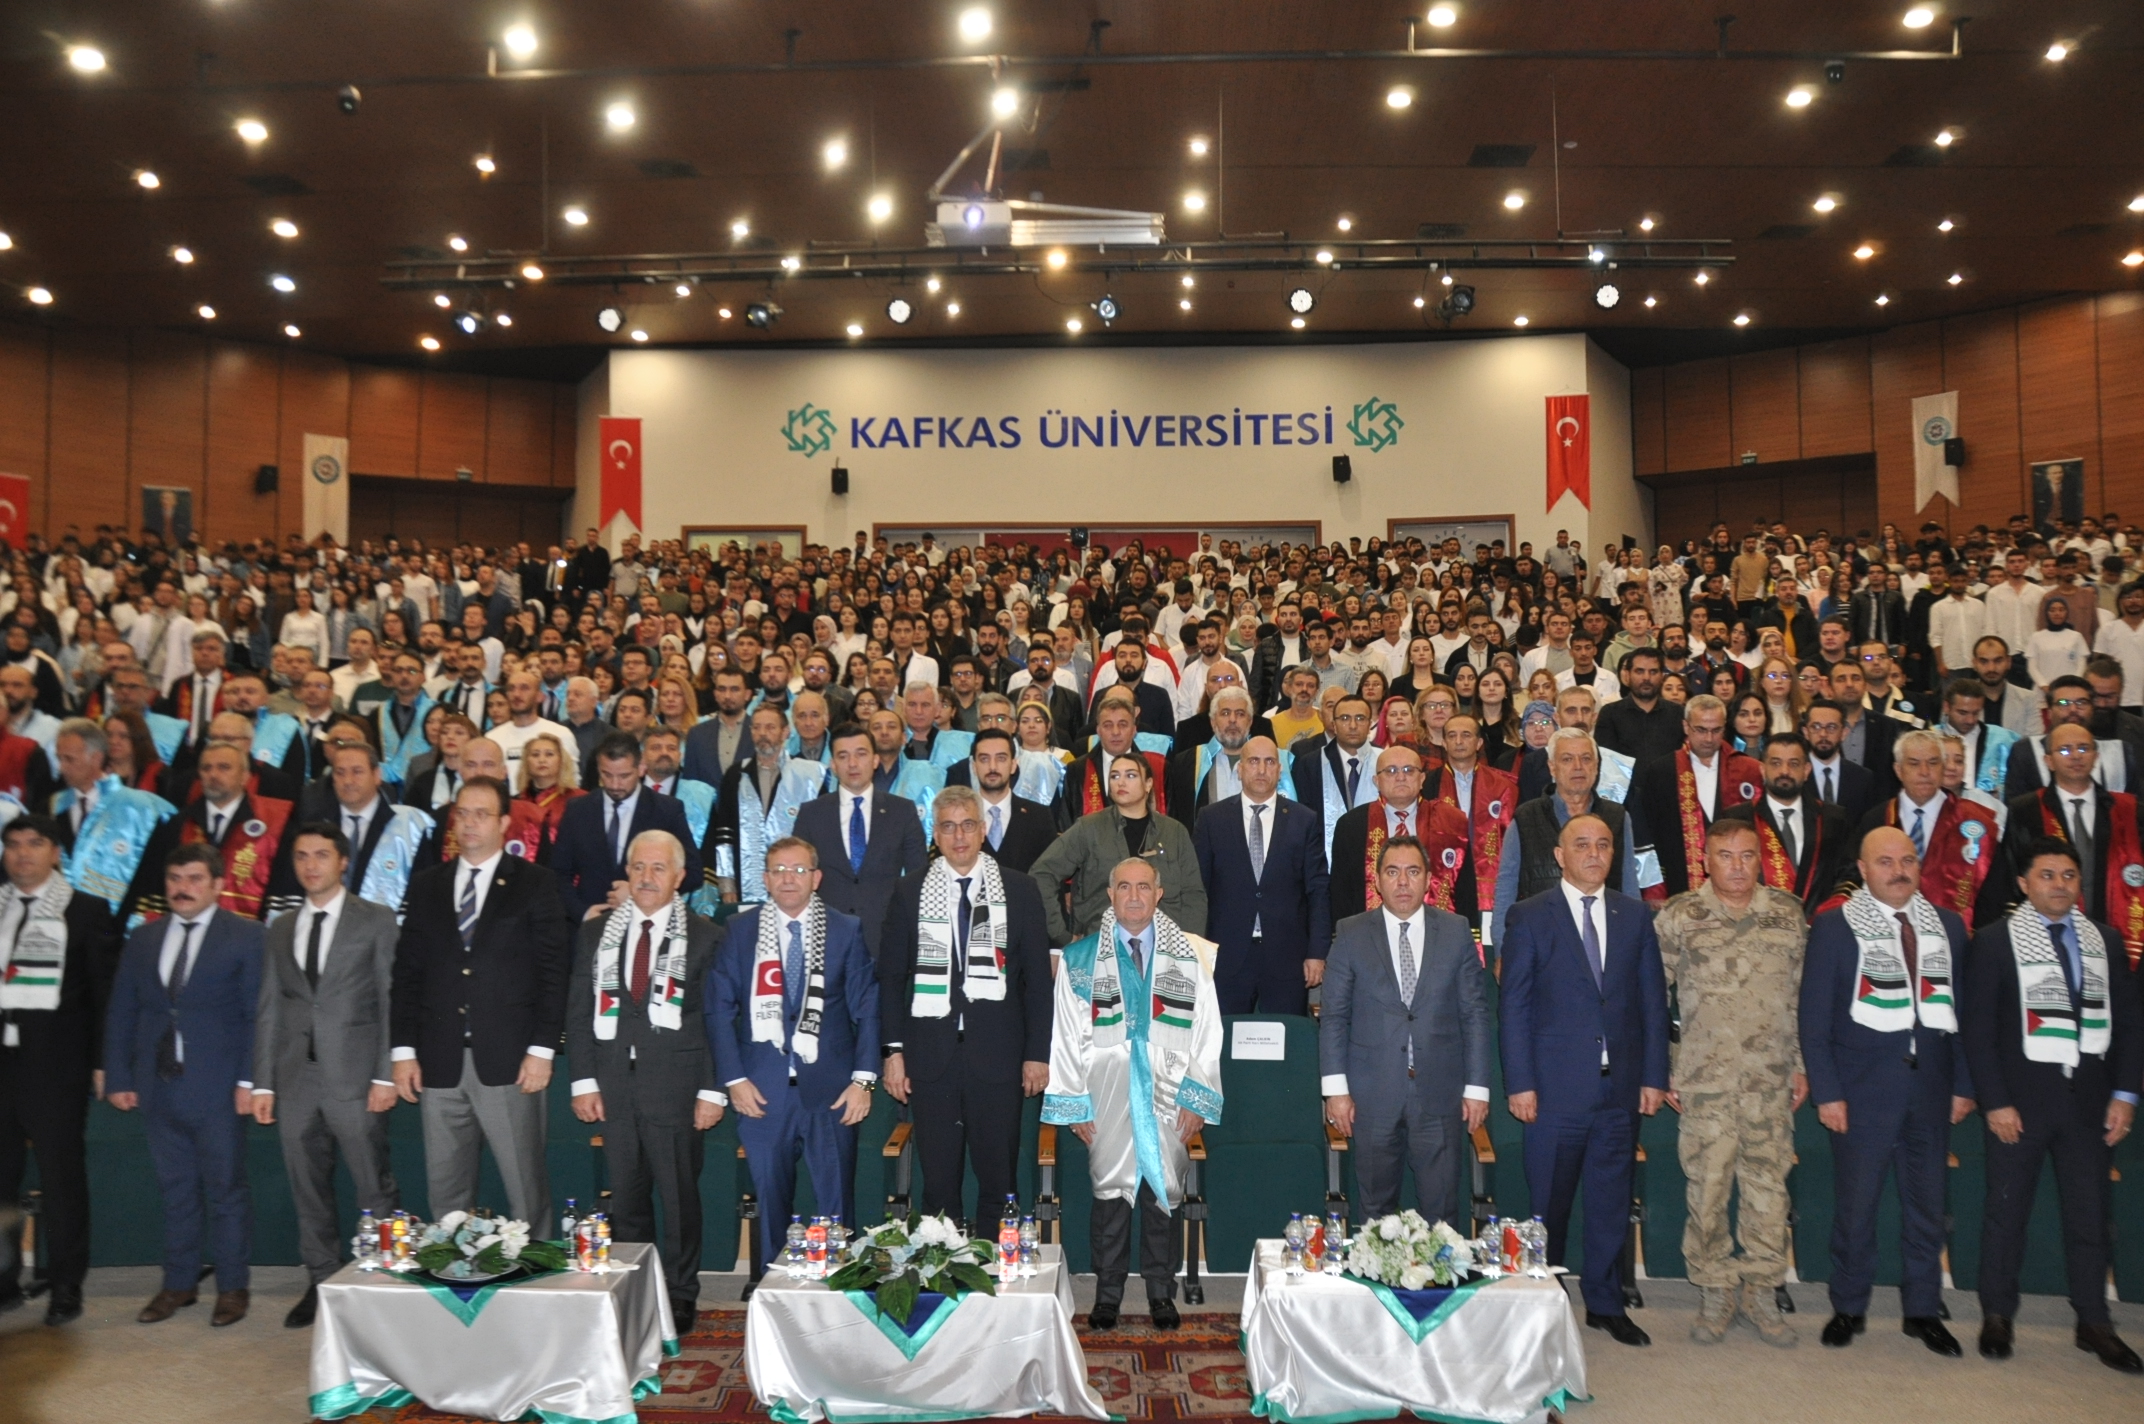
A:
<point x="1195" y="1372"/>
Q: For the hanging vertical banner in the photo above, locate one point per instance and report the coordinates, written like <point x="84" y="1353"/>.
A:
<point x="14" y="509"/>
<point x="619" y="507"/>
<point x="1935" y="421"/>
<point x="1570" y="448"/>
<point x="327" y="487"/>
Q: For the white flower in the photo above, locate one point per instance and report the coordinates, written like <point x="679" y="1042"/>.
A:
<point x="452" y="1221"/>
<point x="1415" y="1277"/>
<point x="487" y="1241"/>
<point x="512" y="1236"/>
<point x="937" y="1231"/>
<point x="1391" y="1228"/>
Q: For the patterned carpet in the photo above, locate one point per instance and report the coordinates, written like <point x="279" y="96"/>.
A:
<point x="1193" y="1373"/>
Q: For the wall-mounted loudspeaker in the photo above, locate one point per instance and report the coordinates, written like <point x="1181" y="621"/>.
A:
<point x="841" y="480"/>
<point x="1343" y="469"/>
<point x="1954" y="451"/>
<point x="265" y="479"/>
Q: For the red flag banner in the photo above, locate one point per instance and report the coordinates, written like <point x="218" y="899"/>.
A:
<point x="620" y="439"/>
<point x="1570" y="449"/>
<point x="14" y="509"/>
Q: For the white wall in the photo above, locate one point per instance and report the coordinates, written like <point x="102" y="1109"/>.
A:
<point x="1471" y="442"/>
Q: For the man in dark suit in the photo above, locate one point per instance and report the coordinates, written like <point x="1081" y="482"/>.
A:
<point x="1405" y="1040"/>
<point x="478" y="1005"/>
<point x="1788" y="613"/>
<point x="1016" y="831"/>
<point x="1201" y="775"/>
<point x="1157" y="709"/>
<point x="2057" y="1081"/>
<point x="2100" y="825"/>
<point x="594" y="832"/>
<point x="1584" y="1017"/>
<point x="636" y="1030"/>
<point x="58" y="953"/>
<point x="1878" y="612"/>
<point x="2069" y="702"/>
<point x="724" y="739"/>
<point x="1868" y="737"/>
<point x="1262" y="860"/>
<point x="1068" y="716"/>
<point x="178" y="1044"/>
<point x="965" y="1011"/>
<point x="868" y="842"/>
<point x="792" y="1012"/>
<point x="320" y="1051"/>
<point x="1804" y="845"/>
<point x="1836" y="780"/>
<point x="1879" y="1038"/>
<point x="1086" y="785"/>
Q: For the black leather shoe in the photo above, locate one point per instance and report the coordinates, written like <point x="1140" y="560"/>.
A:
<point x="684" y="1314"/>
<point x="301" y="1315"/>
<point x="1995" y="1337"/>
<point x="2103" y="1342"/>
<point x="1932" y="1333"/>
<point x="1165" y="1314"/>
<point x="65" y="1305"/>
<point x="1621" y="1328"/>
<point x="749" y="1286"/>
<point x="1840" y="1330"/>
<point x="1102" y="1317"/>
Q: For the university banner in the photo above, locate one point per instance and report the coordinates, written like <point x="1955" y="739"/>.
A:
<point x="619" y="511"/>
<point x="327" y="487"/>
<point x="1935" y="420"/>
<point x="1570" y="448"/>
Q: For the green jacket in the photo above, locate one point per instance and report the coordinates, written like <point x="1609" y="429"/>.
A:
<point x="1086" y="854"/>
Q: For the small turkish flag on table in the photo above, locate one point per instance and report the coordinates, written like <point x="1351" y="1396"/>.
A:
<point x="14" y="509"/>
<point x="1570" y="450"/>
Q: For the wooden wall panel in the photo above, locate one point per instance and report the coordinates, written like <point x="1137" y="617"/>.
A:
<point x="167" y="420"/>
<point x="565" y="439"/>
<point x="89" y="402"/>
<point x="244" y="405"/>
<point x="1980" y="363"/>
<point x="316" y="401"/>
<point x="24" y="403"/>
<point x="1835" y="398"/>
<point x="1811" y="502"/>
<point x="1648" y="421"/>
<point x="1903" y="363"/>
<point x="1765" y="406"/>
<point x="517" y="439"/>
<point x="385" y="409"/>
<point x="2058" y="390"/>
<point x="2120" y="328"/>
<point x="450" y="427"/>
<point x="1698" y="400"/>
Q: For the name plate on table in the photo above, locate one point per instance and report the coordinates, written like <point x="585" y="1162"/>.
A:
<point x="1254" y="1041"/>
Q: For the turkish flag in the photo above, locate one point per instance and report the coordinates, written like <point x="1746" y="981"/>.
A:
<point x="14" y="509"/>
<point x="1570" y="448"/>
<point x="620" y="439"/>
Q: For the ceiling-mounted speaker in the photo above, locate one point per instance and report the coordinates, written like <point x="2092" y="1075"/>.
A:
<point x="841" y="480"/>
<point x="1343" y="469"/>
<point x="1954" y="451"/>
<point x="265" y="479"/>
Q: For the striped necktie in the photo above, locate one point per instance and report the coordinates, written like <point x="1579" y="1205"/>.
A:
<point x="465" y="915"/>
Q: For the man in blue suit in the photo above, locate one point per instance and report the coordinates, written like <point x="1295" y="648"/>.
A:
<point x="1879" y="1031"/>
<point x="869" y="843"/>
<point x="1262" y="859"/>
<point x="594" y="831"/>
<point x="178" y="1044"/>
<point x="792" y="1013"/>
<point x="1585" y="1034"/>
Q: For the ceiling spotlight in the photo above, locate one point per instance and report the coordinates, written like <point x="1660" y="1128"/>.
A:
<point x="1864" y="252"/>
<point x="2058" y="51"/>
<point x="531" y="272"/>
<point x="1198" y="148"/>
<point x="6" y="242"/>
<point x="761" y="315"/>
<point x="1072" y="324"/>
<point x="1005" y="102"/>
<point x="740" y="230"/>
<point x="471" y="322"/>
<point x="1920" y="17"/>
<point x="205" y="312"/>
<point x="1945" y="226"/>
<point x="85" y="59"/>
<point x="283" y="227"/>
<point x="1945" y="138"/>
<point x="1702" y="277"/>
<point x="290" y="330"/>
<point x="610" y="318"/>
<point x="952" y="308"/>
<point x="1741" y="318"/>
<point x="1184" y="304"/>
<point x="182" y="255"/>
<point x="39" y="296"/>
<point x="1596" y="255"/>
<point x="502" y="319"/>
<point x="520" y="40"/>
<point x="1194" y="201"/>
<point x="147" y="179"/>
<point x="1519" y="321"/>
<point x="1345" y="224"/>
<point x="429" y="343"/>
<point x="1606" y="295"/>
<point x="683" y="289"/>
<point x="1651" y="302"/>
<point x="637" y="334"/>
<point x="1645" y="224"/>
<point x="575" y="217"/>
<point x="792" y="263"/>
<point x="252" y="130"/>
<point x="975" y="24"/>
<point x="931" y="285"/>
<point x="1457" y="302"/>
<point x="854" y="329"/>
<point x="880" y="207"/>
<point x="1798" y="98"/>
<point x="1443" y="17"/>
<point x="1107" y="309"/>
<point x="1825" y="204"/>
<point x="1325" y="256"/>
<point x="1446" y="279"/>
<point x="1297" y="323"/>
<point x="442" y="300"/>
<point x="2134" y="259"/>
<point x="458" y="243"/>
<point x="282" y="284"/>
<point x="898" y="311"/>
<point x="1514" y="200"/>
<point x="1301" y="300"/>
<point x="1420" y="302"/>
<point x="619" y="116"/>
<point x="1056" y="259"/>
<point x="485" y="165"/>
<point x="1883" y="299"/>
<point x="1955" y="279"/>
<point x="835" y="153"/>
<point x="724" y="312"/>
<point x="1399" y="96"/>
<point x="2136" y="204"/>
<point x="1189" y="281"/>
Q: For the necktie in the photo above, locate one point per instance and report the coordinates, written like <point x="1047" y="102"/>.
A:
<point x="1920" y="831"/>
<point x="1592" y="940"/>
<point x="1407" y="968"/>
<point x="857" y="843"/>
<point x="168" y="1064"/>
<point x="643" y="957"/>
<point x="1258" y="841"/>
<point x="2081" y="838"/>
<point x="314" y="946"/>
<point x="1831" y="786"/>
<point x="2060" y="934"/>
<point x="201" y="706"/>
<point x="961" y="927"/>
<point x="997" y="826"/>
<point x="465" y="913"/>
<point x="215" y="826"/>
<point x="617" y="855"/>
<point x="1354" y="778"/>
<point x="793" y="971"/>
<point x="28" y="902"/>
<point x="1786" y="836"/>
<point x="1909" y="945"/>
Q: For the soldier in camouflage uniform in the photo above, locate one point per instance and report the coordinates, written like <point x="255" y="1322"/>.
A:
<point x="1732" y="949"/>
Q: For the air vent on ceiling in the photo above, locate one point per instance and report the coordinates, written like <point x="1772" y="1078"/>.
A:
<point x="667" y="168"/>
<point x="2085" y="229"/>
<point x="1915" y="155"/>
<point x="1501" y="155"/>
<point x="1025" y="160"/>
<point x="1783" y="231"/>
<point x="1440" y="232"/>
<point x="276" y="185"/>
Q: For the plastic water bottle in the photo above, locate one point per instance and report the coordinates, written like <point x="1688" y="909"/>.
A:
<point x="1009" y="1241"/>
<point x="1335" y="1243"/>
<point x="837" y="1237"/>
<point x="1535" y="1236"/>
<point x="1292" y="1244"/>
<point x="1030" y="1245"/>
<point x="793" y="1252"/>
<point x="815" y="1247"/>
<point x="568" y="1220"/>
<point x="366" y="1244"/>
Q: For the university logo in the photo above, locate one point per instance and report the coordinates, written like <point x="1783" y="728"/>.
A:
<point x="1936" y="430"/>
<point x="809" y="430"/>
<point x="1376" y="424"/>
<point x="327" y="469"/>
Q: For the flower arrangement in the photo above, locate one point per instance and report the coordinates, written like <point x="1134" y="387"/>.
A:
<point x="471" y="1246"/>
<point x="1406" y="1251"/>
<point x="899" y="1260"/>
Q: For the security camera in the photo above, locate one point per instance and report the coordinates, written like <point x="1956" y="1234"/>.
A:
<point x="347" y="98"/>
<point x="1835" y="72"/>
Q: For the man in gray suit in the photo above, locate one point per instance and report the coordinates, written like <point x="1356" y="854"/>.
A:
<point x="320" y="1050"/>
<point x="1404" y="1041"/>
<point x="641" y="1064"/>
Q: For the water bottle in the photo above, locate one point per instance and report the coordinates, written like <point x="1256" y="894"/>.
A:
<point x="1292" y="1244"/>
<point x="793" y="1252"/>
<point x="568" y="1220"/>
<point x="1536" y="1238"/>
<point x="1488" y="1251"/>
<point x="1009" y="1241"/>
<point x="1030" y="1245"/>
<point x="1335" y="1243"/>
<point x="366" y="1244"/>
<point x="837" y="1238"/>
<point x="815" y="1247"/>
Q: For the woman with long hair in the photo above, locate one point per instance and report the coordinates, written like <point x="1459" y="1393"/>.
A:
<point x="1430" y="711"/>
<point x="549" y="779"/>
<point x="132" y="752"/>
<point x="1784" y="700"/>
<point x="1541" y="687"/>
<point x="1675" y="688"/>
<point x="865" y="704"/>
<point x="1500" y="738"/>
<point x="1374" y="687"/>
<point x="1465" y="684"/>
<point x="1420" y="673"/>
<point x="1747" y="719"/>
<point x="677" y="706"/>
<point x="305" y="627"/>
<point x="1724" y="684"/>
<point x="1742" y="645"/>
<point x="1839" y="602"/>
<point x="1664" y="584"/>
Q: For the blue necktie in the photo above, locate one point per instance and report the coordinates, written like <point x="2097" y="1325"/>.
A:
<point x="1139" y="954"/>
<point x="1592" y="939"/>
<point x="997" y="826"/>
<point x="856" y="836"/>
<point x="793" y="972"/>
<point x="2060" y="934"/>
<point x="1920" y="831"/>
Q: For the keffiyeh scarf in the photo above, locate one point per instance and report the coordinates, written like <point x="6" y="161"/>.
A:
<point x="30" y="978"/>
<point x="1886" y="998"/>
<point x="767" y="986"/>
<point x="666" y="976"/>
<point x="1175" y="970"/>
<point x="984" y="973"/>
<point x="2056" y="1029"/>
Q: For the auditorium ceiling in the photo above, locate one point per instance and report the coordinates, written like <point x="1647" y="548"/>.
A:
<point x="1814" y="167"/>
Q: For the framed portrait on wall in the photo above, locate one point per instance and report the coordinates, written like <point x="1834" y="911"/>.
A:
<point x="714" y="538"/>
<point x="167" y="511"/>
<point x="2057" y="493"/>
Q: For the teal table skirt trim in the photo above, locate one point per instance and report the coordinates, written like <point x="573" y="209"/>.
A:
<point x="909" y="1345"/>
<point x="343" y="1401"/>
<point x="1264" y="1408"/>
<point x="671" y="1349"/>
<point x="1418" y="1330"/>
<point x="783" y="1414"/>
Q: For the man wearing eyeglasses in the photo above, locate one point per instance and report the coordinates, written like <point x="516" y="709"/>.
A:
<point x="2069" y="703"/>
<point x="2100" y="825"/>
<point x="1399" y="810"/>
<point x="1885" y="699"/>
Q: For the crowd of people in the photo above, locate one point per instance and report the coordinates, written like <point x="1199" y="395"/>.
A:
<point x="306" y="831"/>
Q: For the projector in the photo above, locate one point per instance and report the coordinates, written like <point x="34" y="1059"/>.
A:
<point x="1014" y="222"/>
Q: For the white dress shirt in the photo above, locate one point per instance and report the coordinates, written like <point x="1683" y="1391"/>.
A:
<point x="1334" y="1085"/>
<point x="848" y="811"/>
<point x="167" y="959"/>
<point x="1707" y="777"/>
<point x="1575" y="898"/>
<point x="357" y="824"/>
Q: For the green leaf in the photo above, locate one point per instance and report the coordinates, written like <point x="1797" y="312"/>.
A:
<point x="897" y="1297"/>
<point x="438" y="1256"/>
<point x="544" y="1256"/>
<point x="856" y="1275"/>
<point x="972" y="1277"/>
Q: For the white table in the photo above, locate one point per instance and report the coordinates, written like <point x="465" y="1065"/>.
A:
<point x="579" y="1348"/>
<point x="813" y="1355"/>
<point x="1323" y="1349"/>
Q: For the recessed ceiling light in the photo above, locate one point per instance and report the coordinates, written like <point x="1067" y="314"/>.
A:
<point x="470" y="322"/>
<point x="1864" y="252"/>
<point x="931" y="285"/>
<point x="531" y="272"/>
<point x="880" y="207"/>
<point x="1325" y="256"/>
<point x="1443" y="16"/>
<point x="205" y="312"/>
<point x="1072" y="324"/>
<point x="429" y="343"/>
<point x="485" y="164"/>
<point x="39" y="296"/>
<point x="1183" y="304"/>
<point x="442" y="300"/>
<point x="252" y="130"/>
<point x="458" y="244"/>
<point x="86" y="59"/>
<point x="1446" y="279"/>
<point x="1345" y="224"/>
<point x="1645" y="224"/>
<point x="952" y="308"/>
<point x="502" y="319"/>
<point x="1883" y="299"/>
<point x="620" y="116"/>
<point x="724" y="312"/>
<point x="1188" y="280"/>
<point x="1920" y="17"/>
<point x="2136" y="204"/>
<point x="1741" y="318"/>
<point x="1514" y="200"/>
<point x="1825" y="204"/>
<point x="1945" y="226"/>
<point x="148" y="179"/>
<point x="1420" y="302"/>
<point x="283" y="227"/>
<point x="2058" y="51"/>
<point x="290" y="330"/>
<point x="898" y="311"/>
<point x="182" y="255"/>
<point x="2134" y="259"/>
<point x="740" y="230"/>
<point x="1198" y="148"/>
<point x="1399" y="96"/>
<point x="1056" y="259"/>
<point x="683" y="289"/>
<point x="1955" y="278"/>
<point x="1946" y="137"/>
<point x="1799" y="97"/>
<point x="639" y="335"/>
<point x="791" y="263"/>
<point x="282" y="283"/>
<point x="575" y="217"/>
<point x="520" y="40"/>
<point x="1297" y="323"/>
<point x="835" y="153"/>
<point x="1194" y="201"/>
<point x="1651" y="302"/>
<point x="854" y="329"/>
<point x="1702" y="277"/>
<point x="6" y="242"/>
<point x="1005" y="101"/>
<point x="1518" y="321"/>
<point x="975" y="24"/>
